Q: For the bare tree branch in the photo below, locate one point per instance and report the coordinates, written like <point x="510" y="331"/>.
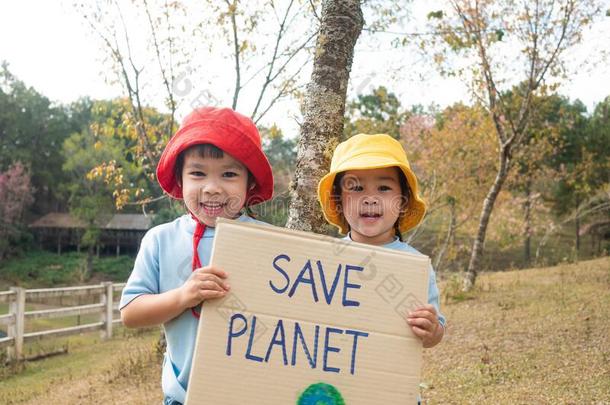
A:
<point x="280" y="34"/>
<point x="166" y="81"/>
<point x="283" y="92"/>
<point x="236" y="51"/>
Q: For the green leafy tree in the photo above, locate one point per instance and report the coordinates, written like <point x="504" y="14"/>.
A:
<point x="125" y="165"/>
<point x="89" y="200"/>
<point x="32" y="131"/>
<point x="583" y="165"/>
<point x="281" y="152"/>
<point x="101" y="169"/>
<point x="377" y="113"/>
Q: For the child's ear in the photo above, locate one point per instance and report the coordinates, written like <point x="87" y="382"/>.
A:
<point x="404" y="204"/>
<point x="336" y="204"/>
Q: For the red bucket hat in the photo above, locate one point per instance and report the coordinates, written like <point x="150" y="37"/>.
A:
<point x="230" y="131"/>
<point x="227" y="130"/>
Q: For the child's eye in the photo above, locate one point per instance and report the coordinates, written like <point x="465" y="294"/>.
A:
<point x="197" y="173"/>
<point x="355" y="188"/>
<point x="230" y="174"/>
<point x="385" y="188"/>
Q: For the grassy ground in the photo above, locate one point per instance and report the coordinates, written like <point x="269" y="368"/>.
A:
<point x="537" y="336"/>
<point x="40" y="268"/>
<point x="125" y="369"/>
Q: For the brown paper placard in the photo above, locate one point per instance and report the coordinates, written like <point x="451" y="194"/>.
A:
<point x="364" y="352"/>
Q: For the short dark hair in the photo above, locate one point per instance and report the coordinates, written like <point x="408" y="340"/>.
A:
<point x="206" y="150"/>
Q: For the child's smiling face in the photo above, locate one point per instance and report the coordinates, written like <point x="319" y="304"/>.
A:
<point x="213" y="187"/>
<point x="371" y="201"/>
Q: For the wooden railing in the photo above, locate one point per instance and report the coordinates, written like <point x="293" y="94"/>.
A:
<point x="17" y="316"/>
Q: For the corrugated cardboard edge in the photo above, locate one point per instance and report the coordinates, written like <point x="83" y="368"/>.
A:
<point x="314" y="236"/>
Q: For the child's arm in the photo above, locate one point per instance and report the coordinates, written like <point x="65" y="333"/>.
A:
<point x="425" y="324"/>
<point x="154" y="309"/>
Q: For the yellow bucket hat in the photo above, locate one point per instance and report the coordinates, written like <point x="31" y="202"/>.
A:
<point x="370" y="152"/>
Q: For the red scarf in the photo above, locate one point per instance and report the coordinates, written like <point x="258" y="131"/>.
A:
<point x="197" y="235"/>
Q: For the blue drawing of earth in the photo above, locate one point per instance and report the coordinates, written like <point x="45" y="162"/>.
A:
<point x="321" y="394"/>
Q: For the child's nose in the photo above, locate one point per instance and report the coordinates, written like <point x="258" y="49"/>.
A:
<point x="210" y="187"/>
<point x="369" y="200"/>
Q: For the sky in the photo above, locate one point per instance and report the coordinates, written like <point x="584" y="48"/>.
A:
<point x="48" y="46"/>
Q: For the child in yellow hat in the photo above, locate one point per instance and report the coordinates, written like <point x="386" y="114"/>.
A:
<point x="370" y="194"/>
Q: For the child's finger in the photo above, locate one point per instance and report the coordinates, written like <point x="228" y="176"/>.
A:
<point x="209" y="294"/>
<point x="424" y="308"/>
<point x="420" y="333"/>
<point x="211" y="285"/>
<point x="213" y="270"/>
<point x="423" y="314"/>
<point x="422" y="323"/>
<point x="212" y="277"/>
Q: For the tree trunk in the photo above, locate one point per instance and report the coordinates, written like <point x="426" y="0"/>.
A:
<point x="528" y="222"/>
<point x="490" y="199"/>
<point x="340" y="27"/>
<point x="577" y="223"/>
<point x="89" y="265"/>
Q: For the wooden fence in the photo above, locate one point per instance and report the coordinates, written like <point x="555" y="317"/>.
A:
<point x="17" y="316"/>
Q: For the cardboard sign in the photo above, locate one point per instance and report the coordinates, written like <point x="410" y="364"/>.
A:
<point x="310" y="320"/>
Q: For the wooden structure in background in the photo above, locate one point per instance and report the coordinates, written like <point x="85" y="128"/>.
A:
<point x="62" y="230"/>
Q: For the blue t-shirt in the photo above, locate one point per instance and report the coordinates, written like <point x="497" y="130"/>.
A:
<point x="433" y="294"/>
<point x="164" y="262"/>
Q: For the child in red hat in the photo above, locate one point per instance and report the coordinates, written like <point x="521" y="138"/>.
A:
<point x="214" y="163"/>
